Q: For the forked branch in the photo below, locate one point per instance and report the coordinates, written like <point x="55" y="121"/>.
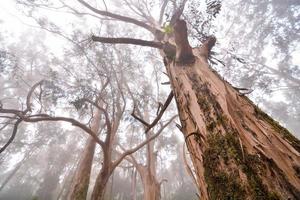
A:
<point x="46" y="117"/>
<point x="118" y="17"/>
<point x="23" y="115"/>
<point x="158" y="117"/>
<point x="131" y="151"/>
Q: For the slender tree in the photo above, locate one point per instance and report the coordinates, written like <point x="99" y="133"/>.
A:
<point x="81" y="180"/>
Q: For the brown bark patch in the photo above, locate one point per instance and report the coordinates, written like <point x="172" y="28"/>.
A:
<point x="184" y="52"/>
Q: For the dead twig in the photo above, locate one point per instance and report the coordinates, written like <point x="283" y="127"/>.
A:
<point x="158" y="117"/>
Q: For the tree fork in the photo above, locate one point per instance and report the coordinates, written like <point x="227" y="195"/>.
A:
<point x="237" y="150"/>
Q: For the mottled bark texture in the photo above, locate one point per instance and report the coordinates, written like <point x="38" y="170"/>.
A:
<point x="80" y="184"/>
<point x="238" y="151"/>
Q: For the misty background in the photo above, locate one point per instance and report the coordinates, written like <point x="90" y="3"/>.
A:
<point x="257" y="48"/>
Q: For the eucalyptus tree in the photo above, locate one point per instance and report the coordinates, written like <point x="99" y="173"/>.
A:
<point x="237" y="150"/>
<point x="146" y="163"/>
<point x="214" y="114"/>
<point x="100" y="100"/>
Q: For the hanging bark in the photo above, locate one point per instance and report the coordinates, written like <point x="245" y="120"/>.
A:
<point x="80" y="184"/>
<point x="237" y="150"/>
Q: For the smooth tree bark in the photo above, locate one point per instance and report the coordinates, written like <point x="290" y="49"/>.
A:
<point x="147" y="170"/>
<point x="148" y="174"/>
<point x="80" y="184"/>
<point x="109" y="164"/>
<point x="133" y="184"/>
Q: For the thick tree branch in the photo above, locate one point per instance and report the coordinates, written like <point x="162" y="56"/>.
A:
<point x="207" y="46"/>
<point x="107" y="120"/>
<point x="45" y="117"/>
<point x="118" y="17"/>
<point x="127" y="41"/>
<point x="177" y="13"/>
<point x="184" y="52"/>
<point x="138" y="118"/>
<point x="28" y="109"/>
<point x="28" y="98"/>
<point x="158" y="117"/>
<point x="162" y="11"/>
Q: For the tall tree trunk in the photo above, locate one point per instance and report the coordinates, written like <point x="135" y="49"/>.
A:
<point x="238" y="151"/>
<point x="100" y="184"/>
<point x="150" y="184"/>
<point x="80" y="184"/>
<point x="133" y="185"/>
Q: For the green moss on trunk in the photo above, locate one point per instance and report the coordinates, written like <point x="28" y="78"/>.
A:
<point x="225" y="183"/>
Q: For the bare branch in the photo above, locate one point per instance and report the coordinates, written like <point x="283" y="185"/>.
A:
<point x="127" y="41"/>
<point x="166" y="83"/>
<point x="177" y="13"/>
<point x="28" y="109"/>
<point x="139" y="11"/>
<point x="162" y="11"/>
<point x="45" y="117"/>
<point x="207" y="46"/>
<point x="107" y="120"/>
<point x="138" y="118"/>
<point x="158" y="117"/>
<point x="131" y="151"/>
<point x="12" y="137"/>
<point x="162" y="181"/>
<point x="28" y="99"/>
<point x="116" y="16"/>
<point x="105" y="5"/>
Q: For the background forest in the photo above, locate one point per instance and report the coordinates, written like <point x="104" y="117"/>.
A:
<point x="93" y="104"/>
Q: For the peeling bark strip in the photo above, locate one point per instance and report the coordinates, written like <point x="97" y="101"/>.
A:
<point x="238" y="152"/>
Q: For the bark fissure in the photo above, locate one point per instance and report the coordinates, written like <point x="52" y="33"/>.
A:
<point x="238" y="151"/>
